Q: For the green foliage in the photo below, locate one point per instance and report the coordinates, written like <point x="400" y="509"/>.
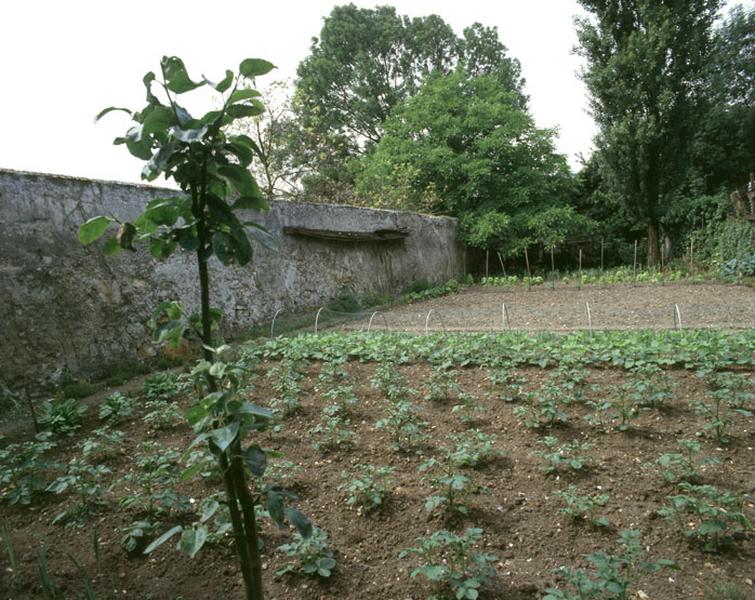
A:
<point x="367" y="486"/>
<point x="82" y="479"/>
<point x="452" y="563"/>
<point x="23" y="469"/>
<point x="650" y="386"/>
<point x="467" y="408"/>
<point x="542" y="409"/>
<point x="161" y="386"/>
<point x="442" y="385"/>
<point x="102" y="445"/>
<point x="311" y="554"/>
<point x="645" y="104"/>
<point x="62" y="416"/>
<point x="719" y="416"/>
<point x="613" y="574"/>
<point x="453" y="487"/>
<point x="406" y="427"/>
<point x="453" y="137"/>
<point x="162" y="415"/>
<point x="77" y="389"/>
<point x="116" y="408"/>
<point x="151" y="482"/>
<point x="363" y="65"/>
<point x="736" y="389"/>
<point x="708" y="516"/>
<point x="285" y="378"/>
<point x="583" y="508"/>
<point x="684" y="465"/>
<point x="137" y="534"/>
<point x="333" y="432"/>
<point x="473" y="449"/>
<point x="568" y="455"/>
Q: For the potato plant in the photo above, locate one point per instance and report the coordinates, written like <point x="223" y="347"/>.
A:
<point x="442" y="386"/>
<point x="367" y="487"/>
<point x="685" y="465"/>
<point x="583" y="508"/>
<point x="569" y="455"/>
<point x="62" y="416"/>
<point x="404" y="425"/>
<point x="452" y="563"/>
<point x="310" y="556"/>
<point x="333" y="432"/>
<point x="84" y="481"/>
<point x="24" y="469"/>
<point x="452" y="487"/>
<point x="473" y="449"/>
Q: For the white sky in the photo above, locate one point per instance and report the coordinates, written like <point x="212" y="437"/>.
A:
<point x="63" y="61"/>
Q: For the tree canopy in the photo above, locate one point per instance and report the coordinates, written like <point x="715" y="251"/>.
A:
<point x="464" y="146"/>
<point x="645" y="74"/>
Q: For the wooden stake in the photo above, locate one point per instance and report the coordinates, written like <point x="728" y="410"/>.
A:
<point x="503" y="266"/>
<point x="634" y="265"/>
<point x="553" y="264"/>
<point x="487" y="263"/>
<point x="602" y="241"/>
<point x="527" y="260"/>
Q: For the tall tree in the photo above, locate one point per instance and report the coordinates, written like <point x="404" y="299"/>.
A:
<point x="463" y="146"/>
<point x="645" y="73"/>
<point x="367" y="61"/>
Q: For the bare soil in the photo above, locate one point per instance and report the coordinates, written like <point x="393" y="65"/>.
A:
<point x="519" y="512"/>
<point x="539" y="308"/>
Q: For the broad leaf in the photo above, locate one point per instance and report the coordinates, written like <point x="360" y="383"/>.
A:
<point x="162" y="539"/>
<point x="255" y="460"/>
<point x="193" y="539"/>
<point x="252" y="67"/>
<point x="93" y="229"/>
<point x="176" y="78"/>
<point x="300" y="521"/>
<point x="225" y="435"/>
<point x="110" y="109"/>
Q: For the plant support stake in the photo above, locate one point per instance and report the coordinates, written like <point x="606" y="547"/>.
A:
<point x="272" y="325"/>
<point x="427" y="319"/>
<point x="317" y="317"/>
<point x="589" y="317"/>
<point x="505" y="323"/>
<point x="634" y="265"/>
<point x="677" y="317"/>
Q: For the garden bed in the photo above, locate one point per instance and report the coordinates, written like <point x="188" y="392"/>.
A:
<point x="514" y="502"/>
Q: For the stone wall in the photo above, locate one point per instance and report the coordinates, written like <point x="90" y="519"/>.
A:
<point x="65" y="306"/>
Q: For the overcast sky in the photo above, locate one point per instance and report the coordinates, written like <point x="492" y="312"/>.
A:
<point x="64" y="61"/>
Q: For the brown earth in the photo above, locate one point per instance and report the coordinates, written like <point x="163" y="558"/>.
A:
<point x="518" y="512"/>
<point x="478" y="308"/>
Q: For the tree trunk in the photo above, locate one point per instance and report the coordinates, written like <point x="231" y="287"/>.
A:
<point x="653" y="248"/>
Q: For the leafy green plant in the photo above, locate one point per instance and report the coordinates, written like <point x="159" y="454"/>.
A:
<point x="102" y="445"/>
<point x="151" y="482"/>
<point x="583" y="508"/>
<point x="366" y="486"/>
<point x="333" y="432"/>
<point x="708" y="516"/>
<point x="718" y="415"/>
<point x="573" y="382"/>
<point x="62" y="416"/>
<point x="342" y="396"/>
<point x="542" y="409"/>
<point x="509" y="384"/>
<point x="613" y="574"/>
<point x="467" y="408"/>
<point x="569" y="455"/>
<point x="404" y="425"/>
<point x="83" y="480"/>
<point x="161" y="386"/>
<point x="162" y="415"/>
<point x="285" y="378"/>
<point x="453" y="487"/>
<point x="137" y="535"/>
<point x="311" y="555"/>
<point x="442" y="385"/>
<point x="473" y="449"/>
<point x="684" y="465"/>
<point x="650" y="386"/>
<point x="211" y="170"/>
<point x="737" y="389"/>
<point x="116" y="407"/>
<point x="452" y="563"/>
<point x="23" y="469"/>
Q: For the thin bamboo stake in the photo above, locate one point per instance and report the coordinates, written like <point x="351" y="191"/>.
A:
<point x="602" y="243"/>
<point x="503" y="266"/>
<point x="634" y="265"/>
<point x="527" y="260"/>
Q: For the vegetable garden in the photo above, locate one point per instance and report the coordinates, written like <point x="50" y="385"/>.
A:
<point x="504" y="465"/>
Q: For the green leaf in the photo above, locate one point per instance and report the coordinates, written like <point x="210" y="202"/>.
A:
<point x="176" y="78"/>
<point x="262" y="235"/>
<point x="161" y="249"/>
<point x="110" y="109"/>
<point x="163" y="538"/>
<point x="240" y="111"/>
<point x="111" y="247"/>
<point x="93" y="229"/>
<point x="190" y="135"/>
<point x="193" y="539"/>
<point x="223" y="84"/>
<point x="225" y="435"/>
<point x="239" y="95"/>
<point x="241" y="179"/>
<point x="160" y="118"/>
<point x="191" y="471"/>
<point x="252" y="67"/>
<point x="255" y="460"/>
<point x="299" y="520"/>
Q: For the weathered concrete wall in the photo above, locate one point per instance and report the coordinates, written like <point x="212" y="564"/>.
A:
<point x="65" y="306"/>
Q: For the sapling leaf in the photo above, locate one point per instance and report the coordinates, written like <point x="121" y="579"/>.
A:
<point x="93" y="229"/>
<point x="255" y="460"/>
<point x="252" y="67"/>
<point x="225" y="435"/>
<point x="163" y="538"/>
